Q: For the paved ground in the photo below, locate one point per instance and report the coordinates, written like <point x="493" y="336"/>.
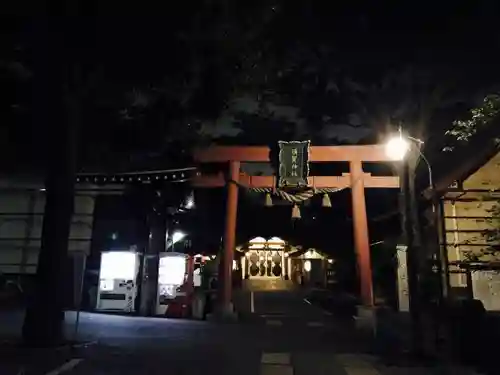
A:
<point x="286" y="336"/>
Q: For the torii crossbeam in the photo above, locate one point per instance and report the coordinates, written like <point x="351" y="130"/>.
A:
<point x="356" y="179"/>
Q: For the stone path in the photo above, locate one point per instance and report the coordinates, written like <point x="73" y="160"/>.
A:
<point x="285" y="335"/>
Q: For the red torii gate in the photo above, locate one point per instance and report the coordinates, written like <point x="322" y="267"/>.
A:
<point x="357" y="180"/>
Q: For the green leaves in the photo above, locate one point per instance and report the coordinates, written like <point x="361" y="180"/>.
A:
<point x="478" y="118"/>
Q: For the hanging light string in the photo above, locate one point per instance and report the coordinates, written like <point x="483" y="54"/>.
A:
<point x="168" y="175"/>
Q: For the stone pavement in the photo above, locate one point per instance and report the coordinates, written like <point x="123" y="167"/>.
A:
<point x="213" y="360"/>
<point x="278" y="339"/>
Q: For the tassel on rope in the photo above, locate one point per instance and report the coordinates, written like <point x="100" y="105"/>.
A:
<point x="326" y="201"/>
<point x="296" y="212"/>
<point x="269" y="200"/>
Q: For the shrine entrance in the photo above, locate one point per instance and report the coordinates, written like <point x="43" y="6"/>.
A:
<point x="263" y="264"/>
<point x="291" y="181"/>
<point x="264" y="259"/>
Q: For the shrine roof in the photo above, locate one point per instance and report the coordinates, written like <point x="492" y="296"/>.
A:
<point x="465" y="160"/>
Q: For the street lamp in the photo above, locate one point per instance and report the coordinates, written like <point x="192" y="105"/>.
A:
<point x="397" y="148"/>
<point x="189" y="204"/>
<point x="176" y="237"/>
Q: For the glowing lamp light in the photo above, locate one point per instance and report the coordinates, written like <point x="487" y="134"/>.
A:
<point x="307" y="266"/>
<point x="177" y="236"/>
<point x="397" y="148"/>
<point x="189" y="203"/>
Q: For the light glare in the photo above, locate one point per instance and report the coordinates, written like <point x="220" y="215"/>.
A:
<point x="397" y="148"/>
<point x="177" y="236"/>
<point x="189" y="203"/>
<point x="307" y="266"/>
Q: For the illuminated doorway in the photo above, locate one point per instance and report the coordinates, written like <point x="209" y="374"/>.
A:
<point x="265" y="259"/>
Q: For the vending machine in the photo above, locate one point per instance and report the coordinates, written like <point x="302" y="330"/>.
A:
<point x="174" y="280"/>
<point x="117" y="289"/>
<point x="199" y="262"/>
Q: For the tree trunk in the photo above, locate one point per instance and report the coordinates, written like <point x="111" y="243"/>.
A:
<point x="156" y="245"/>
<point x="56" y="112"/>
<point x="43" y="323"/>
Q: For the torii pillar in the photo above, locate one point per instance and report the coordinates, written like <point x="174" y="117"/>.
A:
<point x="357" y="180"/>
<point x="361" y="237"/>
<point x="226" y="269"/>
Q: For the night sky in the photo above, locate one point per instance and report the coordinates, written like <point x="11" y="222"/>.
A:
<point x="156" y="81"/>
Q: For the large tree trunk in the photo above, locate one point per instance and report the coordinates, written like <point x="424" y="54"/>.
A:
<point x="43" y="324"/>
<point x="156" y="245"/>
<point x="56" y="111"/>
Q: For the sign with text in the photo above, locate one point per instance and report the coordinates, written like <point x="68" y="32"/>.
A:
<point x="402" y="281"/>
<point x="293" y="164"/>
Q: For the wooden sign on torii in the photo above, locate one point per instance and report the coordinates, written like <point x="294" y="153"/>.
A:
<point x="356" y="179"/>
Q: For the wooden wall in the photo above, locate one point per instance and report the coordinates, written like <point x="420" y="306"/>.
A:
<point x="467" y="214"/>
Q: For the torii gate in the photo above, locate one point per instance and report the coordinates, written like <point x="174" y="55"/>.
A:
<point x="357" y="180"/>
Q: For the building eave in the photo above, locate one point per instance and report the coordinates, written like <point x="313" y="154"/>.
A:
<point x="464" y="161"/>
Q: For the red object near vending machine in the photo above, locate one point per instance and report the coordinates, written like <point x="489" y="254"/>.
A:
<point x="180" y="305"/>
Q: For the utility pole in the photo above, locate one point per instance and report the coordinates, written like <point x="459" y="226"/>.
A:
<point x="403" y="148"/>
<point x="410" y="235"/>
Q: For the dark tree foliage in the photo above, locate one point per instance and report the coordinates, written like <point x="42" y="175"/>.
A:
<point x="100" y="97"/>
<point x="134" y="86"/>
<point x="256" y="72"/>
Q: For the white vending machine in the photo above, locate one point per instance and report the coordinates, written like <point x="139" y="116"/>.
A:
<point x="172" y="275"/>
<point x="118" y="281"/>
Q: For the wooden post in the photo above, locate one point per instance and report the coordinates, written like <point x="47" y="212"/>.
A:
<point x="190" y="274"/>
<point x="283" y="264"/>
<point x="243" y="267"/>
<point x="411" y="232"/>
<point x="225" y="284"/>
<point x="361" y="238"/>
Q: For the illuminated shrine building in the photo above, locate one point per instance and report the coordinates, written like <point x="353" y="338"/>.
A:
<point x="274" y="259"/>
<point x="264" y="258"/>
